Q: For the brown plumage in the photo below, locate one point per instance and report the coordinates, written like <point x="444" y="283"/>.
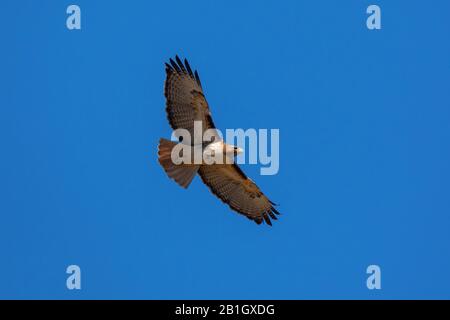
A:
<point x="186" y="103"/>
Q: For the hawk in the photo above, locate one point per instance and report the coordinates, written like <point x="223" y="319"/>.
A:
<point x="185" y="104"/>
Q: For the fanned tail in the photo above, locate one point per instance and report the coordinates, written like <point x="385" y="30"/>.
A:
<point x="183" y="174"/>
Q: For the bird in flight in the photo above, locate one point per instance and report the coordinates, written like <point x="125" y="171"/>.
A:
<point x="185" y="104"/>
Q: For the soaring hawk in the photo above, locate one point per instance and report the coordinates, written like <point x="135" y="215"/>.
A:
<point x="186" y="103"/>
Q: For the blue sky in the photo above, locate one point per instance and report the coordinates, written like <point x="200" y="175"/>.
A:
<point x="364" y="157"/>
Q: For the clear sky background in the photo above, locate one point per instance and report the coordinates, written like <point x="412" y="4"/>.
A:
<point x="364" y="119"/>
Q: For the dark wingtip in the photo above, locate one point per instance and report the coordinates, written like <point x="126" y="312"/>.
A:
<point x="174" y="65"/>
<point x="197" y="78"/>
<point x="274" y="217"/>
<point x="188" y="67"/>
<point x="180" y="63"/>
<point x="275" y="211"/>
<point x="258" y="221"/>
<point x="267" y="220"/>
<point x="180" y="67"/>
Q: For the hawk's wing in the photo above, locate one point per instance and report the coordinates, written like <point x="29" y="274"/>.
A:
<point x="233" y="187"/>
<point x="185" y="101"/>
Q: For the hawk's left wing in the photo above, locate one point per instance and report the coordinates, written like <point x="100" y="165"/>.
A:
<point x="233" y="187"/>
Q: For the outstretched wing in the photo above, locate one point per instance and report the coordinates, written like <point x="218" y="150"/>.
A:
<point x="233" y="187"/>
<point x="185" y="101"/>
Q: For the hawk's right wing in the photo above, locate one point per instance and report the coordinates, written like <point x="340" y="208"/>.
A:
<point x="185" y="101"/>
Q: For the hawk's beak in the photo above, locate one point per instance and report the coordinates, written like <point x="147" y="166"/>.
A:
<point x="239" y="150"/>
